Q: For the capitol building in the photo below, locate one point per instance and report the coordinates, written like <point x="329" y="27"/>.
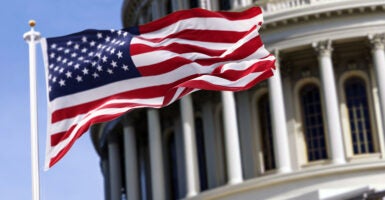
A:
<point x="315" y="130"/>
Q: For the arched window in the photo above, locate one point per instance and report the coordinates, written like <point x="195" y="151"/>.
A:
<point x="266" y="132"/>
<point x="359" y="117"/>
<point x="313" y="122"/>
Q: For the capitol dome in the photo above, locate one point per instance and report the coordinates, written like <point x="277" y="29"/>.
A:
<point x="315" y="130"/>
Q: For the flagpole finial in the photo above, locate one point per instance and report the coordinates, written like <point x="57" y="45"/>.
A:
<point x="32" y="35"/>
<point x="32" y="23"/>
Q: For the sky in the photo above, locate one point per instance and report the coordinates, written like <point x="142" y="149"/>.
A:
<point x="78" y="174"/>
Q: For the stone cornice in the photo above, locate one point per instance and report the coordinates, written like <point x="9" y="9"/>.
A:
<point x="319" y="11"/>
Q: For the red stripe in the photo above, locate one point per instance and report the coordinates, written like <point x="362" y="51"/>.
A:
<point x="149" y="92"/>
<point x="197" y="13"/>
<point x="58" y="137"/>
<point x="163" y="67"/>
<point x="234" y="75"/>
<point x="79" y="133"/>
<point x="240" y="53"/>
<point x="202" y="35"/>
<point x="205" y="85"/>
<point x="136" y="49"/>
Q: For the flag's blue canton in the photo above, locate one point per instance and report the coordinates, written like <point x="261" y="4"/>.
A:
<point x="88" y="59"/>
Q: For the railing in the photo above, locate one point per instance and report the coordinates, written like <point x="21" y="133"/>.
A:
<point x="273" y="6"/>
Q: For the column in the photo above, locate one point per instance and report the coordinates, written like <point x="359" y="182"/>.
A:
<point x="114" y="168"/>
<point x="246" y="135"/>
<point x="377" y="42"/>
<point x="324" y="50"/>
<point x="191" y="161"/>
<point x="156" y="154"/>
<point x="131" y="160"/>
<point x="278" y="120"/>
<point x="232" y="147"/>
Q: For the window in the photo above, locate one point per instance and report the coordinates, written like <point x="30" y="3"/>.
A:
<point x="266" y="132"/>
<point x="172" y="167"/>
<point x="201" y="153"/>
<point x="359" y="117"/>
<point x="224" y="5"/>
<point x="313" y="122"/>
<point x="194" y="3"/>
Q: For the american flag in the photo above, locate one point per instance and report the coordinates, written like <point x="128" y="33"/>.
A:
<point x="97" y="75"/>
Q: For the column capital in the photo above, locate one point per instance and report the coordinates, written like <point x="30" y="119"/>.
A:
<point x="324" y="48"/>
<point x="377" y="41"/>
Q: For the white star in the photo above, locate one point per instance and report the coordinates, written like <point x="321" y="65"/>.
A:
<point x="108" y="38"/>
<point x="54" y="79"/>
<point x="99" y="35"/>
<point x="119" y="32"/>
<point x="104" y="58"/>
<point x="53" y="46"/>
<point x="85" y="71"/>
<point x="125" y="34"/>
<point x="69" y="74"/>
<point x="119" y="54"/>
<point x="76" y="46"/>
<point x="92" y="43"/>
<point x="112" y="30"/>
<point x="66" y="51"/>
<point x="69" y="43"/>
<point x="125" y="68"/>
<point x="70" y="63"/>
<point x="79" y="78"/>
<point x="110" y="71"/>
<point x="99" y="68"/>
<point x="52" y="55"/>
<point x="62" y="82"/>
<point x="112" y="50"/>
<point x="84" y="39"/>
<point x="90" y="53"/>
<point x="84" y="50"/>
<point x="121" y="43"/>
<point x="74" y="55"/>
<point x="95" y="75"/>
<point x="61" y="70"/>
<point x="77" y="66"/>
<point x="93" y="63"/>
<point x="51" y="66"/>
<point x="114" y="64"/>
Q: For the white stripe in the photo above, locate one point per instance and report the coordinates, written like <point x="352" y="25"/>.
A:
<point x="176" y="95"/>
<point x="212" y="45"/>
<point x="242" y="82"/>
<point x="243" y="65"/>
<point x="163" y="55"/>
<point x="130" y="84"/>
<point x="253" y="34"/>
<point x="65" y="124"/>
<point x="205" y="23"/>
<point x="61" y="145"/>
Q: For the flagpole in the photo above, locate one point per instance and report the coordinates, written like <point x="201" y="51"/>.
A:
<point x="32" y="38"/>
